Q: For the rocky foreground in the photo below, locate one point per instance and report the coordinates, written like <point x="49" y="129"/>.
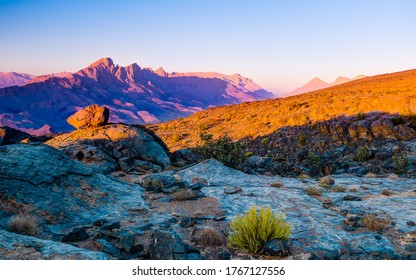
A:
<point x="114" y="191"/>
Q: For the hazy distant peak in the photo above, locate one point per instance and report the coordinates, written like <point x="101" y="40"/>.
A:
<point x="8" y="79"/>
<point x="359" y="77"/>
<point x="340" y="80"/>
<point x="316" y="80"/>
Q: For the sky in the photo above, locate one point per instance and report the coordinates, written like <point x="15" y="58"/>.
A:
<point x="281" y="45"/>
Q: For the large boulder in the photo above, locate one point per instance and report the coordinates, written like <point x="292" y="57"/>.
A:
<point x="91" y="116"/>
<point x="113" y="146"/>
<point x="10" y="135"/>
<point x="383" y="128"/>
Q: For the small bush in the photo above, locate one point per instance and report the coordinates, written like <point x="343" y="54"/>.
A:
<point x="398" y="120"/>
<point x="400" y="163"/>
<point x="209" y="237"/>
<point x="176" y="137"/>
<point x="183" y="194"/>
<point x="363" y="153"/>
<point x="386" y="192"/>
<point x="339" y="189"/>
<point x="276" y="185"/>
<point x="265" y="141"/>
<point x="360" y="116"/>
<point x="302" y="140"/>
<point x="312" y="191"/>
<point x="25" y="224"/>
<point x="371" y="222"/>
<point x="312" y="158"/>
<point x="253" y="229"/>
<point x="326" y="181"/>
<point x="224" y="150"/>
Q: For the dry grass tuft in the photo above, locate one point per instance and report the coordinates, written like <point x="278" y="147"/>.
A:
<point x="209" y="237"/>
<point x="312" y="191"/>
<point x="326" y="181"/>
<point x="183" y="194"/>
<point x="25" y="224"/>
<point x="339" y="189"/>
<point x="371" y="222"/>
<point x="276" y="185"/>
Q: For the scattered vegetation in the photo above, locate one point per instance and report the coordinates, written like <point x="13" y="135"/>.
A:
<point x="302" y="140"/>
<point x="312" y="158"/>
<point x="398" y="120"/>
<point x="339" y="189"/>
<point x="326" y="181"/>
<point x="363" y="153"/>
<point x="224" y="150"/>
<point x="265" y="141"/>
<point x="252" y="230"/>
<point x="386" y="192"/>
<point x="209" y="237"/>
<point x="276" y="185"/>
<point x="360" y="116"/>
<point x="183" y="194"/>
<point x="312" y="191"/>
<point x="372" y="222"/>
<point x="400" y="163"/>
<point x="25" y="224"/>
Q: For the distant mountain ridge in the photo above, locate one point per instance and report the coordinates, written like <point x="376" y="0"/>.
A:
<point x="133" y="94"/>
<point x="9" y="79"/>
<point x="317" y="84"/>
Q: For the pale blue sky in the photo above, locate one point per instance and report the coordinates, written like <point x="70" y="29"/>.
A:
<point x="280" y="44"/>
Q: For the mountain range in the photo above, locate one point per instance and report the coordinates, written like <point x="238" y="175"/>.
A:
<point x="133" y="94"/>
<point x="316" y="84"/>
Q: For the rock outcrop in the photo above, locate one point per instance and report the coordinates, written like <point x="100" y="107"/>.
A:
<point x="62" y="193"/>
<point x="114" y="146"/>
<point x="10" y="135"/>
<point x="90" y="116"/>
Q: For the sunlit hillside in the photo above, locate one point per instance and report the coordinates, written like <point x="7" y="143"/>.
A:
<point x="393" y="93"/>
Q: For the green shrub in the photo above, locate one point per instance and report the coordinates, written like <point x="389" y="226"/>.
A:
<point x="252" y="230"/>
<point x="302" y="140"/>
<point x="398" y="120"/>
<point x="363" y="153"/>
<point x="400" y="163"/>
<point x="360" y="116"/>
<point x="224" y="150"/>
<point x="312" y="158"/>
<point x="264" y="141"/>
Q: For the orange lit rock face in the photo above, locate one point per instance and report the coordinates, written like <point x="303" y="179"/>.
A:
<point x="90" y="116"/>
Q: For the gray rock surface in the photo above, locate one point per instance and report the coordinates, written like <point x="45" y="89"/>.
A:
<point x="62" y="192"/>
<point x="14" y="246"/>
<point x="317" y="231"/>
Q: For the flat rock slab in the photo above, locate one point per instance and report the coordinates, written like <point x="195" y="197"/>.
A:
<point x="316" y="231"/>
<point x="14" y="246"/>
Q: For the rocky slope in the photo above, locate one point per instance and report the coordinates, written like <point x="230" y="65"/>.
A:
<point x="83" y="214"/>
<point x="135" y="95"/>
<point x="390" y="93"/>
